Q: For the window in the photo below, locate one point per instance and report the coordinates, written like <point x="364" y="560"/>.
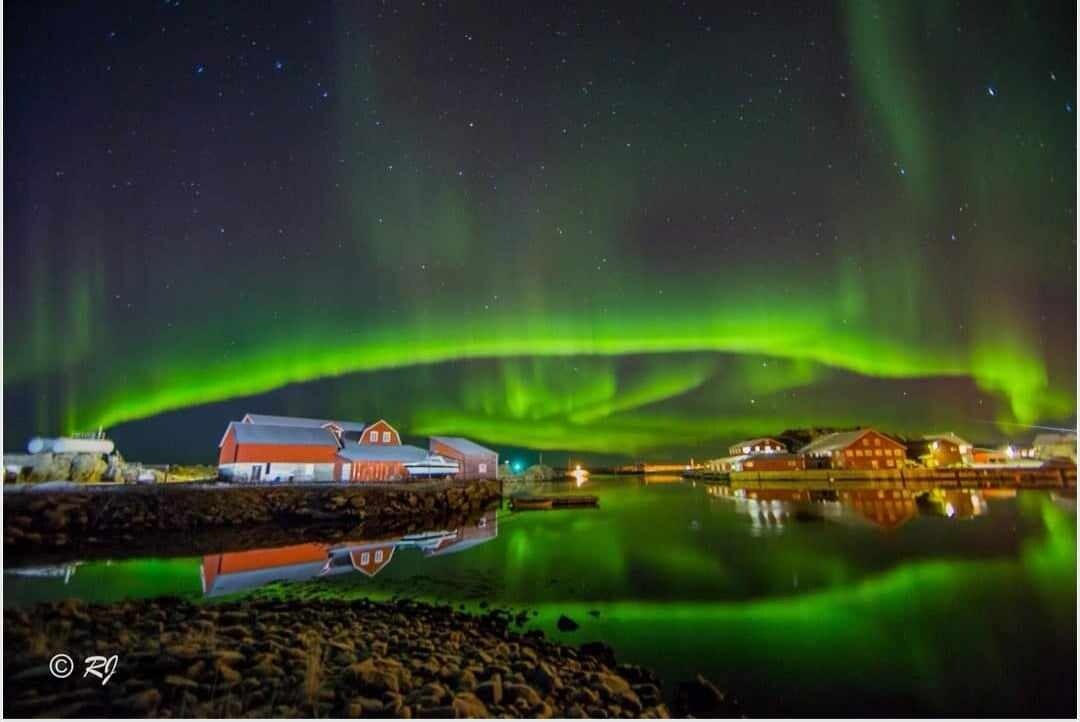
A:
<point x="849" y="453"/>
<point x="386" y="437"/>
<point x="373" y="437"/>
<point x="866" y="442"/>
<point x="365" y="558"/>
<point x="877" y="441"/>
<point x="481" y="468"/>
<point x="268" y="467"/>
<point x="877" y="452"/>
<point x="378" y="556"/>
<point x="888" y="462"/>
<point x="858" y="452"/>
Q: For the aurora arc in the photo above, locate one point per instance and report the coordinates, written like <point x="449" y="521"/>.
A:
<point x="418" y="216"/>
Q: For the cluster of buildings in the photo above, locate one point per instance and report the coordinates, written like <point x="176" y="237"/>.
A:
<point x="869" y="449"/>
<point x="262" y="447"/>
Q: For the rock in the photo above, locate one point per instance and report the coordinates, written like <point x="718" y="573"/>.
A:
<point x="618" y="690"/>
<point x="143" y="702"/>
<point x="88" y="468"/>
<point x="175" y="680"/>
<point x="544" y="677"/>
<point x="365" y="706"/>
<point x="491" y="691"/>
<point x="374" y="678"/>
<point x="700" y="698"/>
<point x="517" y="692"/>
<point x="566" y="624"/>
<point x="599" y="651"/>
<point x="466" y="704"/>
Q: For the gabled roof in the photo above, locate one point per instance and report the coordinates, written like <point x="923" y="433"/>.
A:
<point x="838" y="440"/>
<point x="300" y="421"/>
<point x="947" y="436"/>
<point x="1053" y="439"/>
<point x="758" y="442"/>
<point x="248" y="433"/>
<point x="463" y="445"/>
<point x="383" y="452"/>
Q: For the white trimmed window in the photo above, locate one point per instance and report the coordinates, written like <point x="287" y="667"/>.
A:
<point x="365" y="558"/>
<point x="386" y="437"/>
<point x="373" y="437"/>
<point x="378" y="556"/>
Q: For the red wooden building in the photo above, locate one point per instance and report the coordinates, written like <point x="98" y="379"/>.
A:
<point x="865" y="449"/>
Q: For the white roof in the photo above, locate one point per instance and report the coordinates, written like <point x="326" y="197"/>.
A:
<point x="248" y="433"/>
<point x="299" y="421"/>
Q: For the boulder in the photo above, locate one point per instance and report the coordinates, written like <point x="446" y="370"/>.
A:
<point x="88" y="467"/>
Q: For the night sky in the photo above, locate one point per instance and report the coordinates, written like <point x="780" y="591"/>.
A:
<point x="582" y="227"/>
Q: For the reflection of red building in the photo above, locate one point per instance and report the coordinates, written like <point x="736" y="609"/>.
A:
<point x="371" y="558"/>
<point x="887" y="508"/>
<point x="237" y="571"/>
<point x="864" y="449"/>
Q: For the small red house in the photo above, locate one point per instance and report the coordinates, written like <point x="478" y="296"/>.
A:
<point x="864" y="449"/>
<point x="380" y="433"/>
<point x="474" y="461"/>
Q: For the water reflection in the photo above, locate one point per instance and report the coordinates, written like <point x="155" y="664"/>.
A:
<point x="770" y="510"/>
<point x="241" y="571"/>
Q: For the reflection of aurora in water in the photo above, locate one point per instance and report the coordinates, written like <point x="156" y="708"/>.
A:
<point x="938" y="615"/>
<point x="626" y="261"/>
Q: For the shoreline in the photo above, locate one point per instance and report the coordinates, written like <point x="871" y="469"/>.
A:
<point x="338" y="658"/>
<point x="38" y="522"/>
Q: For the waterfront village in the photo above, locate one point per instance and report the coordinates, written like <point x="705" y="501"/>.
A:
<point x="271" y="448"/>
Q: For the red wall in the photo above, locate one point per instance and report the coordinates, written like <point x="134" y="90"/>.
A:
<point x="231" y="452"/>
<point x="875" y="447"/>
<point x="373" y="471"/>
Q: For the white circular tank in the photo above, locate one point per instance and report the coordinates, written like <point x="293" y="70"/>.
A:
<point x="66" y="445"/>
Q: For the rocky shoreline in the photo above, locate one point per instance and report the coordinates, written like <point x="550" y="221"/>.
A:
<point x="263" y="658"/>
<point x="37" y="522"/>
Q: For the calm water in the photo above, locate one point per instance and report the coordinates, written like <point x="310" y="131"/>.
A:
<point x="858" y="604"/>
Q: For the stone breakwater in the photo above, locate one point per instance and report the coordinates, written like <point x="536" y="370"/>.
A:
<point x="36" y="520"/>
<point x="290" y="659"/>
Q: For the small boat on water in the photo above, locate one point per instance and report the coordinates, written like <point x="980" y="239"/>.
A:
<point x="528" y="503"/>
<point x="432" y="465"/>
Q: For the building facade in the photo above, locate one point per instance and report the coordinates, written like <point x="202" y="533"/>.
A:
<point x="474" y="461"/>
<point x="863" y="449"/>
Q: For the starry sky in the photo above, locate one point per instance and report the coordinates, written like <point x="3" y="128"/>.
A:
<point x="614" y="230"/>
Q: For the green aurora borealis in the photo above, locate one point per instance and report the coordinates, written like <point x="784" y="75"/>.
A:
<point x="633" y="233"/>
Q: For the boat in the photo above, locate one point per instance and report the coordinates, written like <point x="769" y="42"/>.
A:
<point x="523" y="503"/>
<point x="571" y="500"/>
<point x="529" y="503"/>
<point x="432" y="465"/>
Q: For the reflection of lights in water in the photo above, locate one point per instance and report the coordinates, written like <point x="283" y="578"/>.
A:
<point x="580" y="475"/>
<point x="950" y="510"/>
